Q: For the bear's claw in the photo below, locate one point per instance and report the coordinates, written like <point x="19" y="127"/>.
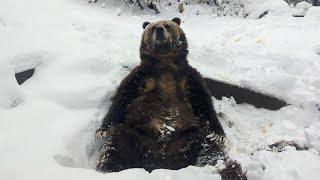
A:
<point x="101" y="133"/>
<point x="101" y="164"/>
<point x="216" y="137"/>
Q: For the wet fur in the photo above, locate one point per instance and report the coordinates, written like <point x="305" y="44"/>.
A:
<point x="164" y="88"/>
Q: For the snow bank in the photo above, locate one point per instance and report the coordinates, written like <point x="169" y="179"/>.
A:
<point x="254" y="8"/>
<point x="28" y="60"/>
<point x="303" y="5"/>
<point x="316" y="49"/>
<point x="82" y="52"/>
<point x="10" y="94"/>
<point x="301" y="9"/>
<point x="290" y="164"/>
<point x="313" y="13"/>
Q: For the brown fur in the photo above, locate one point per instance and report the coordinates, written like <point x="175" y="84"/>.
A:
<point x="162" y="91"/>
<point x="233" y="171"/>
<point x="150" y="84"/>
<point x="175" y="37"/>
<point x="160" y="100"/>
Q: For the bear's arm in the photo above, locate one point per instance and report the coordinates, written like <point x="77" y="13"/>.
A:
<point x="126" y="92"/>
<point x="200" y="99"/>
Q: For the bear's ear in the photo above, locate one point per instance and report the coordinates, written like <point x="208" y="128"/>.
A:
<point x="177" y="20"/>
<point x="145" y="24"/>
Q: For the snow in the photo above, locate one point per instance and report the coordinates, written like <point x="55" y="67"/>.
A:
<point x="301" y="8"/>
<point x="290" y="164"/>
<point x="317" y="49"/>
<point x="80" y="52"/>
<point x="170" y="128"/>
<point x="303" y="5"/>
<point x="10" y="94"/>
<point x="257" y="7"/>
<point x="313" y="13"/>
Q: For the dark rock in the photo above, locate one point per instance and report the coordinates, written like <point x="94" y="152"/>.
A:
<point x="21" y="77"/>
<point x="298" y="15"/>
<point x="263" y="14"/>
<point x="242" y="95"/>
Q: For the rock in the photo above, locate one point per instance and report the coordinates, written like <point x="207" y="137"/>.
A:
<point x="21" y="77"/>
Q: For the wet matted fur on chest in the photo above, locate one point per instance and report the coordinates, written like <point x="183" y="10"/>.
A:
<point x="162" y="101"/>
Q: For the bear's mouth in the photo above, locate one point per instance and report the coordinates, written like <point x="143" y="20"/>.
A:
<point x="162" y="46"/>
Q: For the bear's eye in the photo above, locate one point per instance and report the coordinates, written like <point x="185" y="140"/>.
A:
<point x="167" y="26"/>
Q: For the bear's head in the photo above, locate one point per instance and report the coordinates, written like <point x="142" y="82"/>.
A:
<point x="163" y="39"/>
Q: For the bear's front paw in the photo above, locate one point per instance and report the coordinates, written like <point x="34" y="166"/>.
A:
<point x="101" y="133"/>
<point x="102" y="164"/>
<point x="216" y="138"/>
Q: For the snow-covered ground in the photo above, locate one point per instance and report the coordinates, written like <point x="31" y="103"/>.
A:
<point x="79" y="51"/>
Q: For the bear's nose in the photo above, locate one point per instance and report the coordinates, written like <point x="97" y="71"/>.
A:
<point x="159" y="32"/>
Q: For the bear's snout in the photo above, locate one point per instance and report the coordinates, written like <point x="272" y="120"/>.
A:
<point x="159" y="33"/>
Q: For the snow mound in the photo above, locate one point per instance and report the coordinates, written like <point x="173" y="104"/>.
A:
<point x="290" y="164"/>
<point x="10" y="94"/>
<point x="81" y="53"/>
<point x="255" y="8"/>
<point x="301" y="9"/>
<point x="303" y="5"/>
<point x="317" y="49"/>
<point x="25" y="61"/>
<point x="313" y="13"/>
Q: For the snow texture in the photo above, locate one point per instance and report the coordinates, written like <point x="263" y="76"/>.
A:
<point x="82" y="51"/>
<point x="274" y="7"/>
<point x="301" y="8"/>
<point x="313" y="13"/>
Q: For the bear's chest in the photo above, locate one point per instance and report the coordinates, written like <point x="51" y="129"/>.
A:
<point x="166" y="86"/>
<point x="162" y="106"/>
<point x="165" y="97"/>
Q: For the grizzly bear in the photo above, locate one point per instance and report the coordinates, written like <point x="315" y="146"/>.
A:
<point x="162" y="112"/>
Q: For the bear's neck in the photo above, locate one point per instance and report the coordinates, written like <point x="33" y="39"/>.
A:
<point x="150" y="60"/>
